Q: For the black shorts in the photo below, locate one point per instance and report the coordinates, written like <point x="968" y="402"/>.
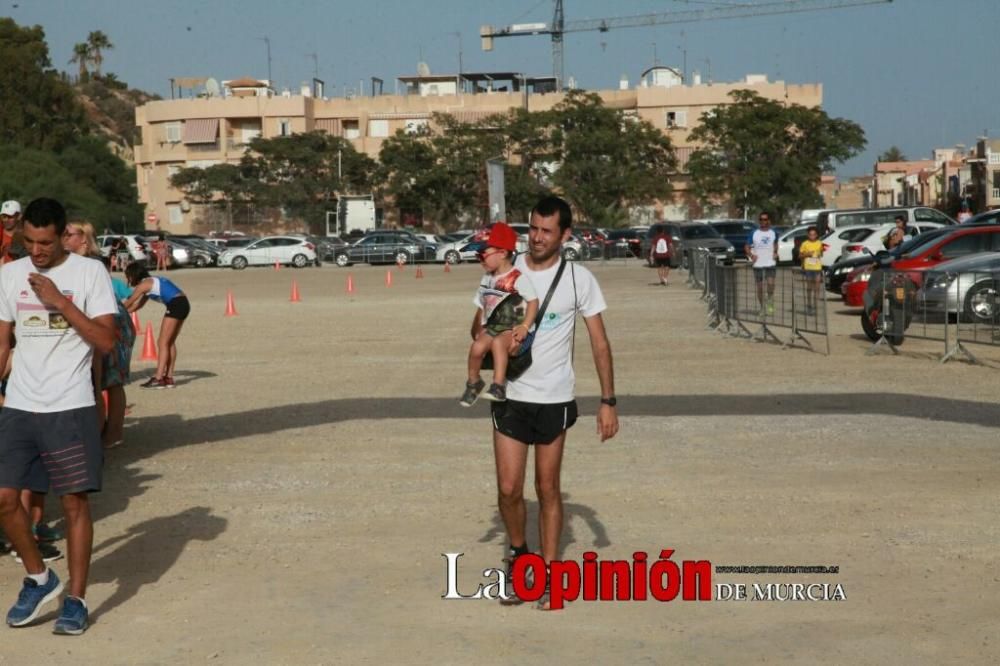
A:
<point x="761" y="274"/>
<point x="58" y="449"/>
<point x="179" y="308"/>
<point x="661" y="262"/>
<point x="532" y="422"/>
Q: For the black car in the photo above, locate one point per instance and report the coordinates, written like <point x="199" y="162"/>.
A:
<point x="386" y="246"/>
<point x="622" y="243"/>
<point x="737" y="232"/>
<point x="838" y="272"/>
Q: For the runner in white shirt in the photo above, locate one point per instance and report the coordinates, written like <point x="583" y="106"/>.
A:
<point x="62" y="306"/>
<point x="762" y="248"/>
<point x="540" y="404"/>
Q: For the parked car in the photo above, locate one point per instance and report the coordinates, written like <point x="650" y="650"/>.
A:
<point x="240" y="241"/>
<point x="137" y="251"/>
<point x="873" y="240"/>
<point x="967" y="285"/>
<point x="622" y="243"/>
<point x="201" y="253"/>
<point x="455" y="252"/>
<point x="673" y="229"/>
<point x="788" y="243"/>
<point x="594" y="238"/>
<point x="703" y="237"/>
<point x="327" y="246"/>
<point x="838" y="219"/>
<point x="386" y="246"/>
<point x="285" y="250"/>
<point x="737" y="232"/>
<point x="843" y="268"/>
<point x="575" y="248"/>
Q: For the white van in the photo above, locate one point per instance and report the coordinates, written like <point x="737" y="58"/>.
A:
<point x="838" y="219"/>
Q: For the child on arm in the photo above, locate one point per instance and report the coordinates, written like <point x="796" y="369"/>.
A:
<point x="507" y="304"/>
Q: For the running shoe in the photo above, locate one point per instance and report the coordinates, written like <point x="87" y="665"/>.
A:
<point x="168" y="382"/>
<point x="770" y="307"/>
<point x="153" y="383"/>
<point x="495" y="393"/>
<point x="45" y="533"/>
<point x="73" y="618"/>
<point x="49" y="553"/>
<point x="31" y="599"/>
<point x="512" y="598"/>
<point x="471" y="393"/>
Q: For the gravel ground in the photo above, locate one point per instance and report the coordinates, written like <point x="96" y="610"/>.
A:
<point x="290" y="501"/>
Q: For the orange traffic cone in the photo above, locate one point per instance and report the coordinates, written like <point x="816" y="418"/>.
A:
<point x="135" y="322"/>
<point x="420" y="272"/>
<point x="149" y="347"/>
<point x="277" y="265"/>
<point x="295" y="293"/>
<point x="388" y="278"/>
<point x="350" y="284"/>
<point x="447" y="267"/>
<point x="230" y="305"/>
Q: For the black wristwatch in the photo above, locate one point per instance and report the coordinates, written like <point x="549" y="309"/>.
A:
<point x="612" y="401"/>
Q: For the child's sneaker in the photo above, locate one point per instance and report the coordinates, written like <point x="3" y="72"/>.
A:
<point x="495" y="393"/>
<point x="471" y="393"/>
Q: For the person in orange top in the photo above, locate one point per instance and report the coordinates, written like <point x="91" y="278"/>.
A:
<point x="11" y="242"/>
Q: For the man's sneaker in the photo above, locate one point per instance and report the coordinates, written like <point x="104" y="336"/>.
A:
<point x="770" y="307"/>
<point x="153" y="383"/>
<point x="512" y="598"/>
<point x="73" y="619"/>
<point x="49" y="553"/>
<point x="495" y="393"/>
<point x="45" y="533"/>
<point x="31" y="599"/>
<point x="168" y="382"/>
<point x="471" y="393"/>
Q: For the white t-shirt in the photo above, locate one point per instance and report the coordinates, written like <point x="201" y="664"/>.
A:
<point x="51" y="365"/>
<point x="550" y="378"/>
<point x="762" y="243"/>
<point x="492" y="289"/>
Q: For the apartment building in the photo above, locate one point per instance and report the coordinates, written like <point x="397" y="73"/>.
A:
<point x="985" y="175"/>
<point x="217" y="128"/>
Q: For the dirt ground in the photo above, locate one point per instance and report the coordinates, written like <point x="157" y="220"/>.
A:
<point x="290" y="501"/>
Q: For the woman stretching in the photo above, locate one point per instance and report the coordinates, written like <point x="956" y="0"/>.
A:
<point x="178" y="307"/>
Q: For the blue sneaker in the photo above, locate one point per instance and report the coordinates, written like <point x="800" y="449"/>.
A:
<point x="73" y="619"/>
<point x="31" y="599"/>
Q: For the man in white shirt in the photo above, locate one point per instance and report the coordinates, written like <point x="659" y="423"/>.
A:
<point x="762" y="248"/>
<point x="540" y="405"/>
<point x="62" y="307"/>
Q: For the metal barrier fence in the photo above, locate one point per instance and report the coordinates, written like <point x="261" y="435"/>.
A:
<point x="955" y="309"/>
<point x="738" y="297"/>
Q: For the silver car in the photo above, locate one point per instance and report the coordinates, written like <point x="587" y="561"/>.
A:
<point x="967" y="285"/>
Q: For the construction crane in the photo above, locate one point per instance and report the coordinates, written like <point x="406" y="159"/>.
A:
<point x="560" y="27"/>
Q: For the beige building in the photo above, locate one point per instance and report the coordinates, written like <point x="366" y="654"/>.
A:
<point x="985" y="175"/>
<point x="208" y="130"/>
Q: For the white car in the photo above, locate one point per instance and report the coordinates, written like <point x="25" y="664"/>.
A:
<point x="789" y="241"/>
<point x="872" y="243"/>
<point x="135" y="246"/>
<point x="454" y="253"/>
<point x="287" y="250"/>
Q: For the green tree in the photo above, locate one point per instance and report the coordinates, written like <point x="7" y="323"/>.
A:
<point x="98" y="42"/>
<point x="760" y="154"/>
<point x="81" y="57"/>
<point x="407" y="171"/>
<point x="222" y="186"/>
<point x="607" y="162"/>
<point x="39" y="109"/>
<point x="893" y="154"/>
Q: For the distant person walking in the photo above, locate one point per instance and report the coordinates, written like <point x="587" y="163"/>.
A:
<point x="811" y="255"/>
<point x="178" y="307"/>
<point x="659" y="255"/>
<point x="762" y="248"/>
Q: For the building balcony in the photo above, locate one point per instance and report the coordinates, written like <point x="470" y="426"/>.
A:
<point x="996" y="193"/>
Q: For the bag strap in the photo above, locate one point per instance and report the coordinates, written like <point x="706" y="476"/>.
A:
<point x="552" y="288"/>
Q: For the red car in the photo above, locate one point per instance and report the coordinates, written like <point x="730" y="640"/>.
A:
<point x="963" y="241"/>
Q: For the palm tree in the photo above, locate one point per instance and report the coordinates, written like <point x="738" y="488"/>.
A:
<point x="96" y="41"/>
<point x="893" y="154"/>
<point x="81" y="56"/>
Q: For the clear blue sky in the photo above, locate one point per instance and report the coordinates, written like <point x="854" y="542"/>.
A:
<point x="915" y="73"/>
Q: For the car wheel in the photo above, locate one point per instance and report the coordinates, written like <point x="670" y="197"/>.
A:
<point x="874" y="323"/>
<point x="200" y="262"/>
<point x="239" y="263"/>
<point x="342" y="260"/>
<point x="686" y="262"/>
<point x="981" y="303"/>
<point x="300" y="261"/>
<point x="569" y="254"/>
<point x="402" y="257"/>
<point x="452" y="257"/>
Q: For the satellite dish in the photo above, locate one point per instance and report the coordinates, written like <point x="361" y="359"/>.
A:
<point x="212" y="87"/>
<point x="423" y="69"/>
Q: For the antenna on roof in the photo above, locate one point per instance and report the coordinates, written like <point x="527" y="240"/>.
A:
<point x="423" y="69"/>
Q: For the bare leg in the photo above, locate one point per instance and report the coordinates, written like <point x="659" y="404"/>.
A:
<point x="477" y="350"/>
<point x="511" y="460"/>
<point x="79" y="541"/>
<point x="548" y="465"/>
<point x="114" y="429"/>
<point x="34" y="505"/>
<point x="17" y="526"/>
<point x="163" y="343"/>
<point x="501" y="345"/>
<point x="173" y="347"/>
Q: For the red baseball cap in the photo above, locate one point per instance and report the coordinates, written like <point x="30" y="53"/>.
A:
<point x="502" y="237"/>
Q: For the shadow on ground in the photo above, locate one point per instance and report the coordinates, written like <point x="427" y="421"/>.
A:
<point x="573" y="516"/>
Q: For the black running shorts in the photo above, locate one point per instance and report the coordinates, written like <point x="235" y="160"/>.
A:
<point x="58" y="449"/>
<point x="532" y="422"/>
<point x="179" y="308"/>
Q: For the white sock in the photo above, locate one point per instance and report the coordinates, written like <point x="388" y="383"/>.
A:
<point x="81" y="600"/>
<point x="41" y="578"/>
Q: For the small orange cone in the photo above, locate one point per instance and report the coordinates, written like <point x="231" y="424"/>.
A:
<point x="388" y="278"/>
<point x="420" y="272"/>
<point x="230" y="305"/>
<point x="277" y="265"/>
<point x="350" y="283"/>
<point x="447" y="267"/>
<point x="135" y="322"/>
<point x="295" y="293"/>
<point x="149" y="347"/>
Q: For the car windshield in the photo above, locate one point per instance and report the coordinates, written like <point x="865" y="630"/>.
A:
<point x="919" y="244"/>
<point x="700" y="231"/>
